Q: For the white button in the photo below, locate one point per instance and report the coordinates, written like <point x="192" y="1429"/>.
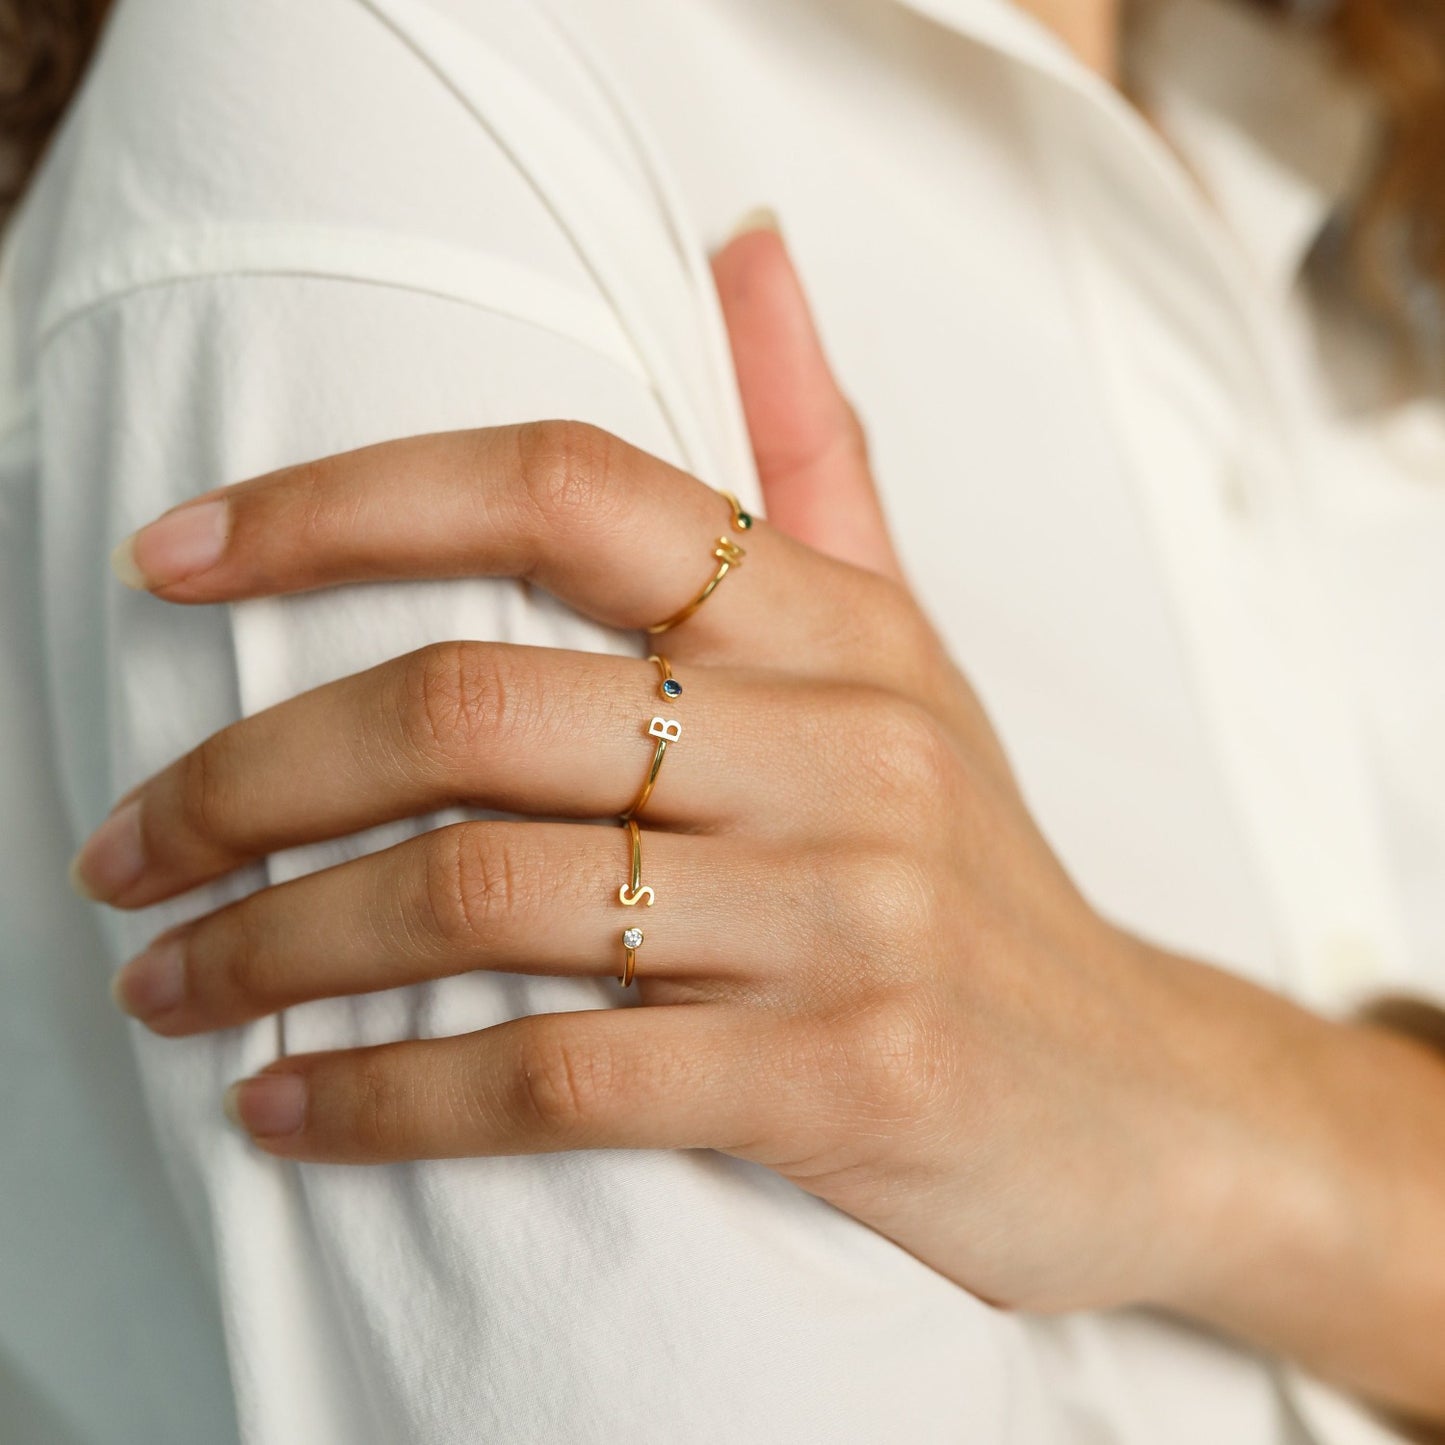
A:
<point x="1349" y="963"/>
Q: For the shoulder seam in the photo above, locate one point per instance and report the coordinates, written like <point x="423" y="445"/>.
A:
<point x="182" y="253"/>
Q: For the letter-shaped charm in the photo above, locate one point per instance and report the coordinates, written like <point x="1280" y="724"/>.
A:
<point x="728" y="551"/>
<point x="643" y="895"/>
<point x="665" y="728"/>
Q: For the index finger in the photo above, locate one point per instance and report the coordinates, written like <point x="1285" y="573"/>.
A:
<point x="615" y="532"/>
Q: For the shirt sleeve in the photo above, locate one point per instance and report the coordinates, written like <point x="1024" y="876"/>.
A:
<point x="213" y="333"/>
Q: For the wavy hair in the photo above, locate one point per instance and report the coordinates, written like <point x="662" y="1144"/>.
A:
<point x="44" y="48"/>
<point x="1397" y="226"/>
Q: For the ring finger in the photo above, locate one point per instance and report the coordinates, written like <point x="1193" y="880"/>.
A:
<point x="539" y="898"/>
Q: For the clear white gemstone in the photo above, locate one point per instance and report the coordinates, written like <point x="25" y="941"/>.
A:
<point x="632" y="938"/>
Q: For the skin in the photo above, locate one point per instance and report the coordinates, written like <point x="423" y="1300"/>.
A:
<point x="926" y="1024"/>
<point x="1090" y="28"/>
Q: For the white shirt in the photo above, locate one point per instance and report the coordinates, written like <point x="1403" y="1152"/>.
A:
<point x="1200" y="602"/>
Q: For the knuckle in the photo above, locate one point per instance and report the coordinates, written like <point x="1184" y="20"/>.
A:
<point x="900" y="1058"/>
<point x="564" y="1083"/>
<point x="205" y="788"/>
<point x="568" y="472"/>
<point x="304" y="503"/>
<point x="374" y="1116"/>
<point x="903" y="750"/>
<point x="454" y="693"/>
<point x="237" y="978"/>
<point x="478" y="880"/>
<point x="887" y="905"/>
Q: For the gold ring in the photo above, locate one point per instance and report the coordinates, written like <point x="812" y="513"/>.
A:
<point x="728" y="555"/>
<point x="664" y="729"/>
<point x="742" y="521"/>
<point x="630" y="895"/>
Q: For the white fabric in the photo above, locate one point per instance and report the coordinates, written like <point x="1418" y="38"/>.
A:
<point x="1202" y="606"/>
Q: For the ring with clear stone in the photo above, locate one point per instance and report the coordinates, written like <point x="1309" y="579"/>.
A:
<point x="631" y="894"/>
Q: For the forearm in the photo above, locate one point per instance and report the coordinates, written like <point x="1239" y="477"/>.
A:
<point x="1314" y="1205"/>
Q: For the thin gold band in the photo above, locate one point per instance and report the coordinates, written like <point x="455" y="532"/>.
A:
<point x="728" y="555"/>
<point x="629" y="895"/>
<point x="665" y="730"/>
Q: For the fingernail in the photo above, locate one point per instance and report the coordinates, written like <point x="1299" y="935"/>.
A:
<point x="153" y="981"/>
<point x="760" y="218"/>
<point x="113" y="856"/>
<point x="267" y="1105"/>
<point x="173" y="547"/>
<point x="122" y="563"/>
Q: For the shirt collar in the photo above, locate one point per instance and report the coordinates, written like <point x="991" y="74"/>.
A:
<point x="1255" y="107"/>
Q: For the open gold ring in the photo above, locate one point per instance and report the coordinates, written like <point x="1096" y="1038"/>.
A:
<point x="630" y="895"/>
<point x="728" y="555"/>
<point x="664" y="729"/>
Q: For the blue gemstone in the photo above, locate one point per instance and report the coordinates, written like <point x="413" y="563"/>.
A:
<point x="672" y="688"/>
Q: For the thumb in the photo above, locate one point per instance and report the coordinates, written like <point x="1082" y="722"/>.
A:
<point x="810" y="450"/>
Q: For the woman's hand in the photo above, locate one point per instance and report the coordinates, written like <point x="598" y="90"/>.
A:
<point x="863" y="967"/>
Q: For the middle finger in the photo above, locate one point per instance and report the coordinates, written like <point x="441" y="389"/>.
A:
<point x="493" y="725"/>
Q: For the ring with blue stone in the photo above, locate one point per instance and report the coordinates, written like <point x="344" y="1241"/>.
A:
<point x="670" y="687"/>
<point x="662" y="730"/>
